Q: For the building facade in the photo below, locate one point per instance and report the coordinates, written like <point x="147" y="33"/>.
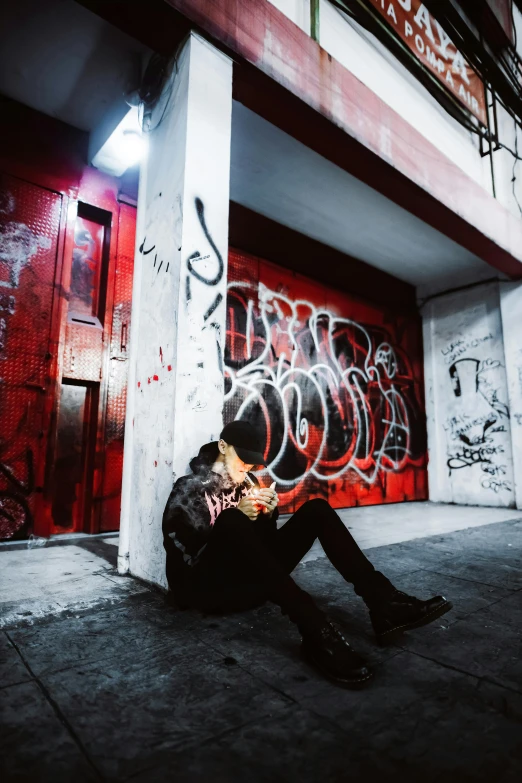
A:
<point x="328" y="244"/>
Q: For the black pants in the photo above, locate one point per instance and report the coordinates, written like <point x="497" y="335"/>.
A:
<point x="243" y="566"/>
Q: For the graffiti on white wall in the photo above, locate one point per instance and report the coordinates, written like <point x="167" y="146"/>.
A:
<point x="478" y="426"/>
<point x="471" y="399"/>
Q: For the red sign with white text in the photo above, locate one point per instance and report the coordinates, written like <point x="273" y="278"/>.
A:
<point x="425" y="37"/>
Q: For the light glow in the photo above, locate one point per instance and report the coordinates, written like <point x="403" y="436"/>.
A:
<point x="125" y="147"/>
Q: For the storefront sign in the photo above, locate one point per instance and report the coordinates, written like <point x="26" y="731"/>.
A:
<point x="429" y="42"/>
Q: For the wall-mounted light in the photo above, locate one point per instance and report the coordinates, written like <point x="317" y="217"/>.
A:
<point x="123" y="148"/>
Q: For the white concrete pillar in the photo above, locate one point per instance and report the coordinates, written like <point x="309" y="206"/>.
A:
<point x="178" y="309"/>
<point x="511" y="310"/>
<point x="467" y="401"/>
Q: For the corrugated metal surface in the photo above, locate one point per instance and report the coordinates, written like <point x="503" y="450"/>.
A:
<point x="335" y="385"/>
<point x="60" y="239"/>
<point x="29" y="231"/>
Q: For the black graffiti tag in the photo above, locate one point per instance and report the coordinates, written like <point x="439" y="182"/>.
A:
<point x="142" y="248"/>
<point x="208" y="281"/>
<point x="496" y="485"/>
<point x="196" y="256"/>
<point x="146" y="253"/>
<point x="473" y="456"/>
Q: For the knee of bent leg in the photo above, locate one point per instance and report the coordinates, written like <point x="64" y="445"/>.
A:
<point x="317" y="504"/>
<point x="314" y="512"/>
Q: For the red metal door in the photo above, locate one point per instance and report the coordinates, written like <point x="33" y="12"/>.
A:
<point x="65" y="302"/>
<point x="29" y="244"/>
<point x="118" y="371"/>
<point x="88" y="458"/>
<point x="79" y="415"/>
<point x="334" y="383"/>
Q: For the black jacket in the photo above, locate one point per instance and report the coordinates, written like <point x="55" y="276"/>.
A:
<point x="193" y="506"/>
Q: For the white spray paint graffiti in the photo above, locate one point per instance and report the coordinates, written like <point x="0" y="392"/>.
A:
<point x="325" y="388"/>
<point x="18" y="246"/>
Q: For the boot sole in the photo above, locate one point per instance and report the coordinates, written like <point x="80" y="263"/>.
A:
<point x="390" y="636"/>
<point x="351" y="684"/>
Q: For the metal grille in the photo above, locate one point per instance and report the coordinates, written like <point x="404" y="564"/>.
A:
<point x="29" y="228"/>
<point x="83" y="352"/>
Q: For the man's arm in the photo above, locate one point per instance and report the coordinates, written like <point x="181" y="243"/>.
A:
<point x="178" y="527"/>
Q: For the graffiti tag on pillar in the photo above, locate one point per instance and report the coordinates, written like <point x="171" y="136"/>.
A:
<point x="207" y="269"/>
<point x="158" y="266"/>
<point x="192" y="259"/>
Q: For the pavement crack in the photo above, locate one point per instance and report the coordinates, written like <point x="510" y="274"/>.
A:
<point x="57" y="711"/>
<point x="473" y="581"/>
<point x="13" y="684"/>
<point x="479" y="677"/>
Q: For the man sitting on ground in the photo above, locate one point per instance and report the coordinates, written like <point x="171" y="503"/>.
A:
<point x="225" y="553"/>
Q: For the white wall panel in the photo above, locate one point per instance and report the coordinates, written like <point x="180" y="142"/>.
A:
<point x="511" y="309"/>
<point x="467" y="399"/>
<point x="296" y="10"/>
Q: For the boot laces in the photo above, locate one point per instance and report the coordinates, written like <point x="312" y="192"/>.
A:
<point x="330" y="629"/>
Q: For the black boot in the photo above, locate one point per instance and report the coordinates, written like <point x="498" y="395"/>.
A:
<point x="397" y="612"/>
<point x="329" y="652"/>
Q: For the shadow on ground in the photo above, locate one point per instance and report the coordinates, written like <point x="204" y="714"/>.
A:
<point x="139" y="691"/>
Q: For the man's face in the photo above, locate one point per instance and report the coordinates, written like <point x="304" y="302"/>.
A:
<point x="235" y="466"/>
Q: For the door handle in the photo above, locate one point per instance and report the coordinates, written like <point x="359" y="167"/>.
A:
<point x="123" y="338"/>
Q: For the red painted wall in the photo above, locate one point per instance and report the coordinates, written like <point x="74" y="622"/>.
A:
<point x="334" y="383"/>
<point x="29" y="245"/>
<point x="45" y="361"/>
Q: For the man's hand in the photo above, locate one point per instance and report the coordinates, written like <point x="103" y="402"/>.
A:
<point x="248" y="505"/>
<point x="266" y="497"/>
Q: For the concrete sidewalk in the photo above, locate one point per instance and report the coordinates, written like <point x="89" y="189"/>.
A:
<point x="131" y="689"/>
<point x="70" y="574"/>
<point x="395" y="523"/>
<point x="46" y="581"/>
